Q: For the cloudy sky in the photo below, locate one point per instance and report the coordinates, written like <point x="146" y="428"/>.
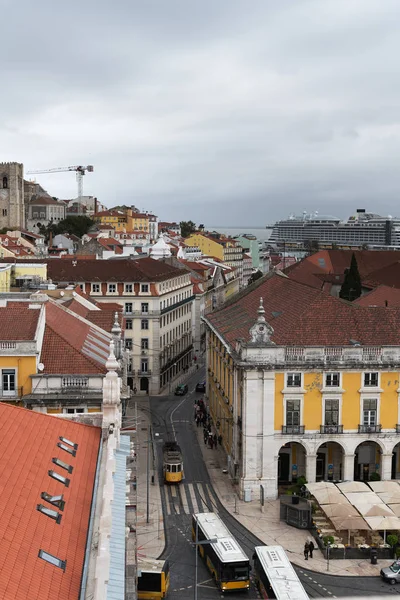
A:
<point x="227" y="112"/>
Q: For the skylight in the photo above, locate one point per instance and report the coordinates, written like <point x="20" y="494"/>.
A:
<point x="53" y="514"/>
<point x="62" y="464"/>
<point x="59" y="478"/>
<point x="66" y="448"/>
<point x="53" y="560"/>
<point x="68" y="442"/>
<point x="54" y="500"/>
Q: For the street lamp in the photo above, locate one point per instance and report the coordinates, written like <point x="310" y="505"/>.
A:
<point x="327" y="555"/>
<point x="197" y="543"/>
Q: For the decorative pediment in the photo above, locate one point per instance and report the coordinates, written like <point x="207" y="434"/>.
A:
<point x="261" y="331"/>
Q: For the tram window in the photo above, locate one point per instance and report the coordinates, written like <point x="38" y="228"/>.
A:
<point x="178" y="468"/>
<point x="174" y="468"/>
<point x="168" y="468"/>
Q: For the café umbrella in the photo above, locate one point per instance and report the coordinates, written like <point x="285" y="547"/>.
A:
<point x="330" y="496"/>
<point x="320" y="485"/>
<point x="340" y="510"/>
<point x="349" y="523"/>
<point x="353" y="487"/>
<point x="383" y="523"/>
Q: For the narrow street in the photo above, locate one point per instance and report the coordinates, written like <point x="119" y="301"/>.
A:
<point x="172" y="416"/>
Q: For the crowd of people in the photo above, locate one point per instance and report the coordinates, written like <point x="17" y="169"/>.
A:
<point x="202" y="417"/>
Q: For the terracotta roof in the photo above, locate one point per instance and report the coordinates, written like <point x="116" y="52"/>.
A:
<point x="109" y="306"/>
<point x="28" y="445"/>
<point x="337" y="261"/>
<point x="144" y="269"/>
<point x="383" y="295"/>
<point x="305" y="272"/>
<point x="18" y="322"/>
<point x="71" y="345"/>
<point x="44" y="200"/>
<point x="304" y="316"/>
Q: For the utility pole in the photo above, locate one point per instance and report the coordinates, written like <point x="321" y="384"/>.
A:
<point x="148" y="474"/>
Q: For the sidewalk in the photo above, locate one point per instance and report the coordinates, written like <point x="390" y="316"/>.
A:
<point x="267" y="525"/>
<point x="150" y="536"/>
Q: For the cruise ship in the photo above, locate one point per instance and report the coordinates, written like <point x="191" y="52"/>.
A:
<point x="361" y="229"/>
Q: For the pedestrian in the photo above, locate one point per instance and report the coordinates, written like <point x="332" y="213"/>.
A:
<point x="306" y="550"/>
<point x="205" y="437"/>
<point x="197" y="420"/>
<point x="210" y="441"/>
<point x="220" y="440"/>
<point x="215" y="439"/>
<point x="311" y="547"/>
<point x="209" y="427"/>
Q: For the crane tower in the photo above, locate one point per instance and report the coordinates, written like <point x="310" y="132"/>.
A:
<point x="80" y="172"/>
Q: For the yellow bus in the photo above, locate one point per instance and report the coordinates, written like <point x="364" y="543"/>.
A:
<point x="225" y="559"/>
<point x="172" y="463"/>
<point x="153" y="579"/>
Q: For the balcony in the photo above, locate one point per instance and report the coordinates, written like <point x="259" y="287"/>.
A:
<point x="331" y="429"/>
<point x="369" y="428"/>
<point x="144" y="373"/>
<point x="293" y="429"/>
<point x="12" y="394"/>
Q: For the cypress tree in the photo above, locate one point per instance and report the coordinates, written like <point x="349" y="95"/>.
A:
<point x="351" y="287"/>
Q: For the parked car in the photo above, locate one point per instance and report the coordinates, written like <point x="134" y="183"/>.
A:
<point x="392" y="573"/>
<point x="181" y="389"/>
<point x="201" y="386"/>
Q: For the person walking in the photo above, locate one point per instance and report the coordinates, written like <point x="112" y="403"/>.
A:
<point x="205" y="437"/>
<point x="306" y="550"/>
<point x="311" y="547"/>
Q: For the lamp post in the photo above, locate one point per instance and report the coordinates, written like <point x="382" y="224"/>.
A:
<point x="197" y="543"/>
<point x="327" y="555"/>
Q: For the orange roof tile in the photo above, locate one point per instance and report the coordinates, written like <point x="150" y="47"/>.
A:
<point x="28" y="445"/>
<point x="383" y="295"/>
<point x="18" y="321"/>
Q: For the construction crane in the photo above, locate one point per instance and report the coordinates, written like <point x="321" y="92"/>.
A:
<point x="80" y="172"/>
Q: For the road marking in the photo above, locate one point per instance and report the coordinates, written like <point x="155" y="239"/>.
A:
<point x="184" y="501"/>
<point x="173" y="491"/>
<point x="192" y="496"/>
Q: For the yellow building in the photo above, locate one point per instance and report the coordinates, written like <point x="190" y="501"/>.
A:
<point x="124" y="221"/>
<point x="304" y="384"/>
<point x="224" y="248"/>
<point x="17" y="274"/>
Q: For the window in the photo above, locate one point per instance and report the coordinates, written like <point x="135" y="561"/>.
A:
<point x="144" y="343"/>
<point x="332" y="412"/>
<point x="128" y="324"/>
<point x="112" y="288"/>
<point x="293" y="380"/>
<point x="128" y="288"/>
<point x="8" y="382"/>
<point x="68" y="448"/>
<point x="95" y="288"/>
<point x="68" y="442"/>
<point x="370" y="379"/>
<point x="144" y="288"/>
<point x="62" y="464"/>
<point x="54" y="500"/>
<point x="5" y="183"/>
<point x="128" y="308"/>
<point x="128" y="344"/>
<point x="369" y="412"/>
<point x="144" y="366"/>
<point x="49" y="512"/>
<point x="73" y="411"/>
<point x="4" y="212"/>
<point x="145" y="307"/>
<point x="145" y="323"/>
<point x="53" y="560"/>
<point x="293" y="413"/>
<point x="332" y="379"/>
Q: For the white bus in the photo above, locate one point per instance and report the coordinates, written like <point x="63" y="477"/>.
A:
<point x="225" y="559"/>
<point x="275" y="576"/>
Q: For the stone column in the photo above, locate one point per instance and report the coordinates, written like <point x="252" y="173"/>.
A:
<point x="386" y="466"/>
<point x="311" y="467"/>
<point x="348" y="467"/>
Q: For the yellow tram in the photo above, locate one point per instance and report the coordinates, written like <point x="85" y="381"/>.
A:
<point x="172" y="463"/>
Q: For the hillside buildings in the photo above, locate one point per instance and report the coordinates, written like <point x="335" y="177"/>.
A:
<point x="302" y="383"/>
<point x="217" y="245"/>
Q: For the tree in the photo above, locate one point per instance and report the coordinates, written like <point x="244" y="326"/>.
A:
<point x="73" y="224"/>
<point x="254" y="276"/>
<point x="187" y="227"/>
<point x="351" y="287"/>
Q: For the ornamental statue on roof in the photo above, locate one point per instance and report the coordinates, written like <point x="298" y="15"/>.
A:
<point x="160" y="249"/>
<point x="261" y="331"/>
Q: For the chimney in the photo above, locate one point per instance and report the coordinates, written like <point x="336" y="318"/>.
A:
<point x="95" y="206"/>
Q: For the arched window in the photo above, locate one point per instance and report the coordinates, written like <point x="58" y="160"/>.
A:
<point x="5" y="183"/>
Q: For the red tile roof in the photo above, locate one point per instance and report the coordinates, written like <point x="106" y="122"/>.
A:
<point x="18" y="322"/>
<point x="71" y="345"/>
<point x="28" y="445"/>
<point x="383" y="295"/>
<point x="304" y="316"/>
<point x="143" y="269"/>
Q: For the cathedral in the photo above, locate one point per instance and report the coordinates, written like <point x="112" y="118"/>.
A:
<point x="15" y="195"/>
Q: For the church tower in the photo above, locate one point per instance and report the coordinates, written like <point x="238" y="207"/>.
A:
<point x="12" y="206"/>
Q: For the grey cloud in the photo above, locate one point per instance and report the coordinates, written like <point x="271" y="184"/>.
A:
<point x="237" y="112"/>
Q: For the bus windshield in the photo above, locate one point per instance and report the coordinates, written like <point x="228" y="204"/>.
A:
<point x="235" y="571"/>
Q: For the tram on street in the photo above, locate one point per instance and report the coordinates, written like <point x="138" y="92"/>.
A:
<point x="153" y="578"/>
<point x="172" y="463"/>
<point x="274" y="575"/>
<point x="224" y="558"/>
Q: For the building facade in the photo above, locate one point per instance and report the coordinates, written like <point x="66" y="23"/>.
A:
<point x="12" y="205"/>
<point x="303" y="384"/>
<point x="45" y="210"/>
<point x="157" y="301"/>
<point x="217" y="245"/>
